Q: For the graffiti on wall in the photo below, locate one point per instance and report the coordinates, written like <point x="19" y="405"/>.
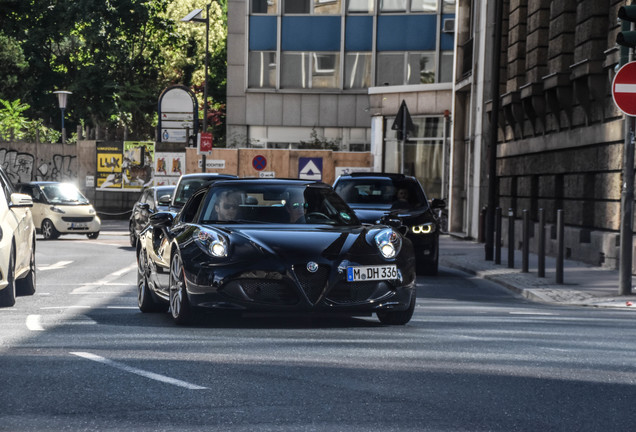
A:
<point x="22" y="167"/>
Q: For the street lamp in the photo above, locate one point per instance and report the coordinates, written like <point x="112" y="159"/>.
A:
<point x="195" y="16"/>
<point x="62" y="96"/>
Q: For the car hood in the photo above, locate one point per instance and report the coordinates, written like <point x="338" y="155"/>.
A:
<point x="306" y="243"/>
<point x="374" y="215"/>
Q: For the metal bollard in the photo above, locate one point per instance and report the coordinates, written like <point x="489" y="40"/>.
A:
<point x="541" y="244"/>
<point x="511" y="238"/>
<point x="525" y="252"/>
<point x="498" y="235"/>
<point x="560" y="247"/>
<point x="481" y="236"/>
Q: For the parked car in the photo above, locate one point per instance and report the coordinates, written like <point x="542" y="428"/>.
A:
<point x="273" y="245"/>
<point x="60" y="208"/>
<point x="189" y="183"/>
<point x="17" y="244"/>
<point x="151" y="200"/>
<point x="382" y="196"/>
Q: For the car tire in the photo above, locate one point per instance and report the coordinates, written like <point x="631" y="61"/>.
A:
<point x="7" y="295"/>
<point x="93" y="235"/>
<point x="132" y="235"/>
<point x="397" y="317"/>
<point x="145" y="299"/>
<point x="48" y="230"/>
<point x="26" y="285"/>
<point x="180" y="308"/>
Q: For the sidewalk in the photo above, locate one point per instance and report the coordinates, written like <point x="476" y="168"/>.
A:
<point x="583" y="285"/>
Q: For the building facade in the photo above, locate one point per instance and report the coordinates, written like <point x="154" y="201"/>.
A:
<point x="559" y="134"/>
<point x="333" y="73"/>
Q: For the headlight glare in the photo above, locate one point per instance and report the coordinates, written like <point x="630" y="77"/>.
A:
<point x="218" y="248"/>
<point x="426" y="228"/>
<point x="388" y="242"/>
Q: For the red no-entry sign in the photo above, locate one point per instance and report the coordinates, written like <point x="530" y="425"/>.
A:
<point x="624" y="89"/>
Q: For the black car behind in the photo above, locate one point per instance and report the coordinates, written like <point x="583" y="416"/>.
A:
<point x="383" y="196"/>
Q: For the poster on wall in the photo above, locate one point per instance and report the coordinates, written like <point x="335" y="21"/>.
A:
<point x="137" y="165"/>
<point x="110" y="158"/>
<point x="168" y="168"/>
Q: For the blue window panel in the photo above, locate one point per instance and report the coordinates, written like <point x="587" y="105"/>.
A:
<point x="407" y="32"/>
<point x="262" y="33"/>
<point x="447" y="40"/>
<point x="359" y="33"/>
<point x="311" y="33"/>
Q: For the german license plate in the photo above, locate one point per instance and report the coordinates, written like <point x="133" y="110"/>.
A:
<point x="371" y="273"/>
<point x="78" y="225"/>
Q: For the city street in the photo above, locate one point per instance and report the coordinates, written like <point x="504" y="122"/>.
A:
<point x="79" y="355"/>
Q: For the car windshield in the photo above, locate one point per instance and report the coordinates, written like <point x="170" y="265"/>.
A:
<point x="186" y="188"/>
<point x="382" y="193"/>
<point x="276" y="203"/>
<point x="63" y="193"/>
<point x="164" y="190"/>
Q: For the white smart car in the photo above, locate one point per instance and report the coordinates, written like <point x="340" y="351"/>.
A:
<point x="17" y="244"/>
<point x="60" y="208"/>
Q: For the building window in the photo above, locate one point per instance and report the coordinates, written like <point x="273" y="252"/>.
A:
<point x="330" y="7"/>
<point x="420" y="68"/>
<point x="424" y="6"/>
<point x="262" y="69"/>
<point x="390" y="69"/>
<point x="448" y="6"/>
<point x="392" y="5"/>
<point x="446" y="67"/>
<point x="360" y="6"/>
<point x="264" y="7"/>
<point x="357" y="70"/>
<point x="310" y="70"/>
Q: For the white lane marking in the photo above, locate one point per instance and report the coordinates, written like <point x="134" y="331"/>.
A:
<point x="531" y="313"/>
<point x="33" y="323"/>
<point x="90" y="287"/>
<point x="58" y="265"/>
<point x="141" y="372"/>
<point x="122" y="307"/>
<point x="66" y="307"/>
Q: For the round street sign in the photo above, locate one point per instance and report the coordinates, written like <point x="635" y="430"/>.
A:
<point x="624" y="89"/>
<point x="259" y="163"/>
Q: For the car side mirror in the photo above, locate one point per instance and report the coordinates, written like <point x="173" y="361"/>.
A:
<point x="437" y="203"/>
<point x="144" y="206"/>
<point x="161" y="219"/>
<point x="21" y="200"/>
<point x="164" y="200"/>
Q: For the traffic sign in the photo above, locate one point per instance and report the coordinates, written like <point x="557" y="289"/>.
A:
<point x="205" y="142"/>
<point x="310" y="168"/>
<point x="624" y="89"/>
<point x="259" y="163"/>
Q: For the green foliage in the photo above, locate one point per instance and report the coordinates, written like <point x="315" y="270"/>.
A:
<point x="12" y="121"/>
<point x="319" y="143"/>
<point x="116" y="57"/>
<point x="46" y="134"/>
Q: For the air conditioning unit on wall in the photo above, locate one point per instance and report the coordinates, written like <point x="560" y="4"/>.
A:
<point x="448" y="26"/>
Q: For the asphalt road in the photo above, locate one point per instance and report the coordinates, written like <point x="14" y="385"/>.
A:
<point x="80" y="356"/>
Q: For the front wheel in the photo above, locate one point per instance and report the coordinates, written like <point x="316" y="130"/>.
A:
<point x="398" y="317"/>
<point x="132" y="235"/>
<point x="48" y="230"/>
<point x="93" y="235"/>
<point x="179" y="305"/>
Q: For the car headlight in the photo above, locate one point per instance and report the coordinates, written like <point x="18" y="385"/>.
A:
<point x="91" y="211"/>
<point x="57" y="209"/>
<point x="388" y="242"/>
<point x="213" y="243"/>
<point x="426" y="228"/>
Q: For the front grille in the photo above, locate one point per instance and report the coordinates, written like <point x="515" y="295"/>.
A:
<point x="271" y="292"/>
<point x="358" y="292"/>
<point x="77" y="219"/>
<point x="312" y="283"/>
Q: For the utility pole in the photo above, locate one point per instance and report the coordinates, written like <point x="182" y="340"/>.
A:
<point x="494" y="121"/>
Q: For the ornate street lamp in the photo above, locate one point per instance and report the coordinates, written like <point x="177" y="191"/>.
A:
<point x="62" y="96"/>
<point x="195" y="16"/>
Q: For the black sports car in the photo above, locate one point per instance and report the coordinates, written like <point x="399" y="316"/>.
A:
<point x="273" y="245"/>
<point x="381" y="196"/>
